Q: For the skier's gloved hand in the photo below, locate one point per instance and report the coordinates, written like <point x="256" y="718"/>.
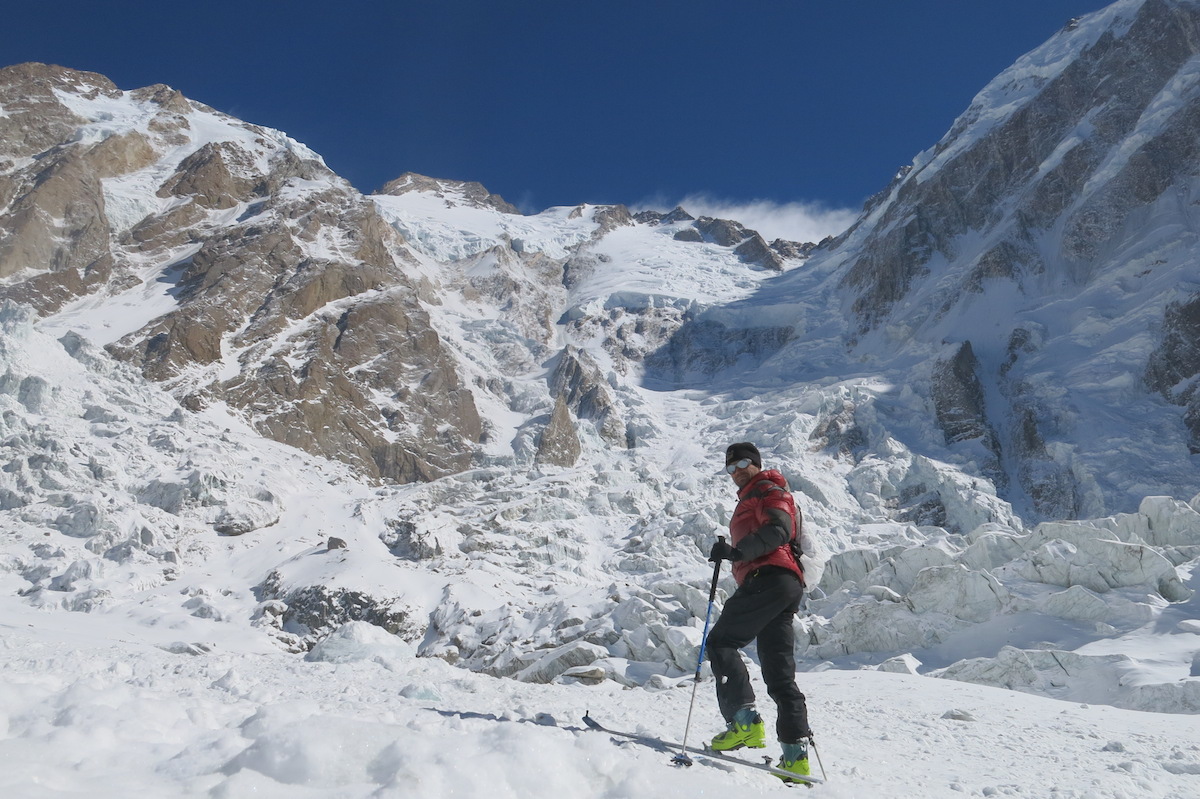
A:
<point x="723" y="551"/>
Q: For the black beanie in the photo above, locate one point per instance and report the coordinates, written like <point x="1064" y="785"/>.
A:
<point x="743" y="449"/>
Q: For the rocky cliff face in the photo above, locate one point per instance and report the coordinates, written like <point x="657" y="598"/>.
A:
<point x="292" y="298"/>
<point x="1053" y="230"/>
<point x="49" y="190"/>
<point x="475" y="194"/>
<point x="748" y="244"/>
<point x="1174" y="365"/>
<point x="1091" y="145"/>
<point x="257" y="277"/>
<point x="961" y="409"/>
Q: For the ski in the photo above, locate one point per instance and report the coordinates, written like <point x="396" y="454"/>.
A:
<point x="668" y="747"/>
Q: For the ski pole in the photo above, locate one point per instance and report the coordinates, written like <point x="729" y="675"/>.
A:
<point x="813" y="744"/>
<point x="682" y="759"/>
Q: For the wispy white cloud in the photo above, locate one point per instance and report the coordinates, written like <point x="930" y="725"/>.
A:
<point x="795" y="221"/>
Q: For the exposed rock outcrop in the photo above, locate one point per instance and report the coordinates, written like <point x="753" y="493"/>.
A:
<point x="747" y="244"/>
<point x="839" y="430"/>
<point x="297" y="309"/>
<point x="558" y="444"/>
<point x="578" y="382"/>
<point x="1034" y="157"/>
<point x="961" y="409"/>
<point x="453" y="191"/>
<point x="958" y="398"/>
<point x="34" y="120"/>
<point x="1175" y="364"/>
<point x="313" y="612"/>
<point x="678" y="214"/>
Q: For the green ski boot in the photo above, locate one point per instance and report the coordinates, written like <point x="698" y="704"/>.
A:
<point x="746" y="729"/>
<point x="795" y="760"/>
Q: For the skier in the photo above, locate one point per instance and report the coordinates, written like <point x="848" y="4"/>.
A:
<point x="770" y="584"/>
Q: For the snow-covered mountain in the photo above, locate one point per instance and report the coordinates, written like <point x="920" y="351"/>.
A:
<point x="1032" y="275"/>
<point x="248" y="411"/>
<point x="1066" y="189"/>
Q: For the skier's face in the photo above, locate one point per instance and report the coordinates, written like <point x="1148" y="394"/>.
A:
<point x="744" y="474"/>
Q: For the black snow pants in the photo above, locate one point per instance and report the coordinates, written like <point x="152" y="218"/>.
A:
<point x="761" y="609"/>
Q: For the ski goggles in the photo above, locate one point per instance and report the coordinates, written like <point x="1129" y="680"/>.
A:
<point x="730" y="468"/>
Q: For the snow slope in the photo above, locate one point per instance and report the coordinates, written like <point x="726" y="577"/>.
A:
<point x="175" y="589"/>
<point x="92" y="709"/>
<point x="178" y="679"/>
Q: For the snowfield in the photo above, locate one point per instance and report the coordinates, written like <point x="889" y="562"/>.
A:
<point x="188" y="608"/>
<point x="175" y="675"/>
<point x="89" y="708"/>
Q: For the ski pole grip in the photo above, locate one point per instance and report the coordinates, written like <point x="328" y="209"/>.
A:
<point x="712" y="591"/>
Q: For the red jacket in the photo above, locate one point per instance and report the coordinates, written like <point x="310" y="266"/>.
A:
<point x="767" y="491"/>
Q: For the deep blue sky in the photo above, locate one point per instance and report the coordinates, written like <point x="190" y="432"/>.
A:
<point x="559" y="102"/>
